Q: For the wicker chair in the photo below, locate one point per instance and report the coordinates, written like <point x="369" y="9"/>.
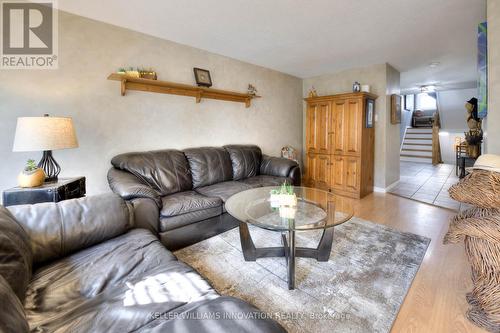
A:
<point x="479" y="229"/>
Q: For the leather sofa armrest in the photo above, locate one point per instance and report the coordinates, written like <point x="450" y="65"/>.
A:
<point x="130" y="187"/>
<point x="280" y="167"/>
<point x="295" y="175"/>
<point x="146" y="214"/>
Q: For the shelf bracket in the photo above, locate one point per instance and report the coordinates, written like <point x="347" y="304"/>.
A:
<point x="123" y="86"/>
<point x="247" y="102"/>
<point x="198" y="97"/>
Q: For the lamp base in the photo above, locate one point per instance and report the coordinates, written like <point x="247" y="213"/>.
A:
<point x="50" y="166"/>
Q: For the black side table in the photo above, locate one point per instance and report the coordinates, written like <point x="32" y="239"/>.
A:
<point x="63" y="189"/>
<point x="465" y="162"/>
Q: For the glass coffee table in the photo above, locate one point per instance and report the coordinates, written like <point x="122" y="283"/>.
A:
<point x="311" y="209"/>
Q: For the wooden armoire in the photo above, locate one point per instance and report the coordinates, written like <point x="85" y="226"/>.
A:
<point x="340" y="143"/>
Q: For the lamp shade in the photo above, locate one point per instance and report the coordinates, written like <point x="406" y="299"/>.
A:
<point x="44" y="133"/>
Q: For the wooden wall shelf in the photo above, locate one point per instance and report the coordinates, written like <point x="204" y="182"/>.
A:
<point x="165" y="87"/>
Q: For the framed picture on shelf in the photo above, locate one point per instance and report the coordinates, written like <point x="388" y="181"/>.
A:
<point x="202" y="77"/>
<point x="370" y="112"/>
<point x="395" y="109"/>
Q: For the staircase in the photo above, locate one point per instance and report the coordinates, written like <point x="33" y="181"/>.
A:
<point x="417" y="145"/>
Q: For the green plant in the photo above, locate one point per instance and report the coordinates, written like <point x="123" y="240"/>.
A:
<point x="285" y="188"/>
<point x="30" y="166"/>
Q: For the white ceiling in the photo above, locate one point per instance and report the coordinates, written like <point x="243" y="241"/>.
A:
<point x="307" y="38"/>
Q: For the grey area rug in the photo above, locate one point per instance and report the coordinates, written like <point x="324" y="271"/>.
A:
<point x="360" y="289"/>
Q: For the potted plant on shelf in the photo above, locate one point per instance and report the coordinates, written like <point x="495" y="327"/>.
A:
<point x="31" y="176"/>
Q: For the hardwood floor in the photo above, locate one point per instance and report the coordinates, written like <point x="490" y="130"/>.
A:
<point x="436" y="300"/>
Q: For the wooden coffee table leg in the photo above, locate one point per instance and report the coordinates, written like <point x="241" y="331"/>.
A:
<point x="288" y="250"/>
<point x="325" y="245"/>
<point x="247" y="245"/>
<point x="291" y="260"/>
<point x="284" y="242"/>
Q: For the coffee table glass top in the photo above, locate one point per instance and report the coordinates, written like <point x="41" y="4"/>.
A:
<point x="308" y="208"/>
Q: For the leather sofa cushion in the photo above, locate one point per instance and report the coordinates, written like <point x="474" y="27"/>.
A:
<point x="184" y="208"/>
<point x="209" y="165"/>
<point x="187" y="202"/>
<point x="223" y="190"/>
<point x="113" y="287"/>
<point x="245" y="159"/>
<point x="15" y="253"/>
<point x="12" y="318"/>
<point x="58" y="229"/>
<point x="166" y="171"/>
<point x="263" y="180"/>
<point x="177" y="221"/>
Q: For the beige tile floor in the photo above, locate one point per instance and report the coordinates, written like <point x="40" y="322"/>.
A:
<point x="428" y="183"/>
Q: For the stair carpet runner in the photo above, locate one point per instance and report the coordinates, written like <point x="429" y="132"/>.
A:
<point x="417" y="145"/>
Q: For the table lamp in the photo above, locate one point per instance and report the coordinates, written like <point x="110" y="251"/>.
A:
<point x="45" y="134"/>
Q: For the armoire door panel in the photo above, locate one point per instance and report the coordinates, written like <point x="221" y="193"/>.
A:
<point x="311" y="128"/>
<point x="323" y="124"/>
<point x="352" y="173"/>
<point x="338" y="126"/>
<point x="353" y="126"/>
<point x="322" y="172"/>
<point x="337" y="172"/>
<point x="310" y="170"/>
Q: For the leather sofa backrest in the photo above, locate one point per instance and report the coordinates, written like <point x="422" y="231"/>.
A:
<point x="15" y="253"/>
<point x="245" y="160"/>
<point x="12" y="317"/>
<point x="58" y="229"/>
<point x="166" y="171"/>
<point x="209" y="165"/>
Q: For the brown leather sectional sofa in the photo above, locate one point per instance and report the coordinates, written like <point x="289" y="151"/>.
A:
<point x="184" y="192"/>
<point x="100" y="264"/>
<point x="82" y="265"/>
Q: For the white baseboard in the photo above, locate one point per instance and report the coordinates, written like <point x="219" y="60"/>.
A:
<point x="385" y="190"/>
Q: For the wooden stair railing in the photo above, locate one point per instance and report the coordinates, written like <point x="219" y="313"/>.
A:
<point x="436" y="147"/>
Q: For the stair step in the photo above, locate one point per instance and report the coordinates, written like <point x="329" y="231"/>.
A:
<point x="417" y="144"/>
<point x="418" y="135"/>
<point x="427" y="154"/>
<point x="408" y="155"/>
<point x="419" y="130"/>
<point x="414" y="149"/>
<point x="416" y="159"/>
<point x="418" y="138"/>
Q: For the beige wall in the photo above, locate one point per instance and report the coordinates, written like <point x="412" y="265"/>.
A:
<point x="493" y="118"/>
<point x="383" y="80"/>
<point x="392" y="132"/>
<point x="108" y="124"/>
